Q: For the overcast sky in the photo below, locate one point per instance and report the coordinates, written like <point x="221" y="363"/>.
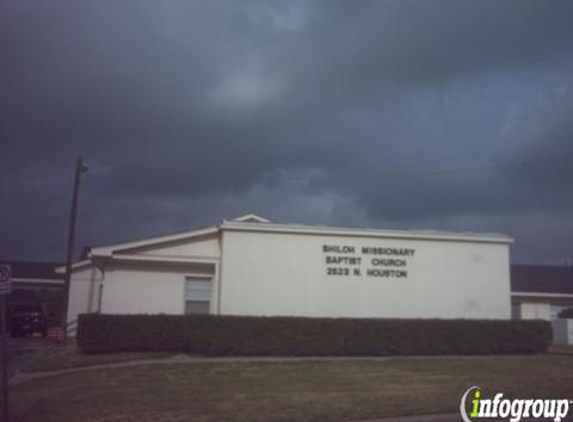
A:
<point x="448" y="115"/>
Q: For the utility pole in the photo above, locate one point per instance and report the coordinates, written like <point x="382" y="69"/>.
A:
<point x="80" y="168"/>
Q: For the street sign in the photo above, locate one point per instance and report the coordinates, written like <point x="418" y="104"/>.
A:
<point x="5" y="279"/>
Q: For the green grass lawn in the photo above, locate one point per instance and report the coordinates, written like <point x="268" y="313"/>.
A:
<point x="288" y="391"/>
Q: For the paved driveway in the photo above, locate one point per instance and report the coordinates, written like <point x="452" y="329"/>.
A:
<point x="23" y="350"/>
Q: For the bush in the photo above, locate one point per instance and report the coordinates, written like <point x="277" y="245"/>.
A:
<point x="566" y="313"/>
<point x="218" y="335"/>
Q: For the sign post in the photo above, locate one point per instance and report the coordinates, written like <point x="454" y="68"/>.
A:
<point x="5" y="289"/>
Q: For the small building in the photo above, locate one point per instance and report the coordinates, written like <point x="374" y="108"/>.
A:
<point x="252" y="266"/>
<point x="540" y="291"/>
<point x="37" y="283"/>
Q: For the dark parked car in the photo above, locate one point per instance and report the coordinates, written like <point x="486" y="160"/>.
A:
<point x="28" y="319"/>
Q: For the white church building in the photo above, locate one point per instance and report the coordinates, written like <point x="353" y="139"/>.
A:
<point x="252" y="266"/>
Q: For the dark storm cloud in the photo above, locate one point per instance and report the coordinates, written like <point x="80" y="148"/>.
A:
<point x="548" y="142"/>
<point x="440" y="114"/>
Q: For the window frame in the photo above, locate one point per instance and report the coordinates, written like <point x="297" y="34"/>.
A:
<point x="197" y="277"/>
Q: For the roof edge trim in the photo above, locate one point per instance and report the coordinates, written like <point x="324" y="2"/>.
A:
<point x="541" y="294"/>
<point x="342" y="231"/>
<point x="111" y="249"/>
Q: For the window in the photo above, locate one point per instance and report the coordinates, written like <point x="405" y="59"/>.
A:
<point x="197" y="295"/>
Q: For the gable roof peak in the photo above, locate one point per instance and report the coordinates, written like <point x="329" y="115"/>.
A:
<point x="251" y="218"/>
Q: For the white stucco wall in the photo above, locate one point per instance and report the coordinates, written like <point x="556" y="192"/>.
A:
<point x="135" y="288"/>
<point x="286" y="274"/>
<point x="84" y="285"/>
<point x="563" y="331"/>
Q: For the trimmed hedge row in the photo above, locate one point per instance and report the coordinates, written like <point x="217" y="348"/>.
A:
<point x="215" y="335"/>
